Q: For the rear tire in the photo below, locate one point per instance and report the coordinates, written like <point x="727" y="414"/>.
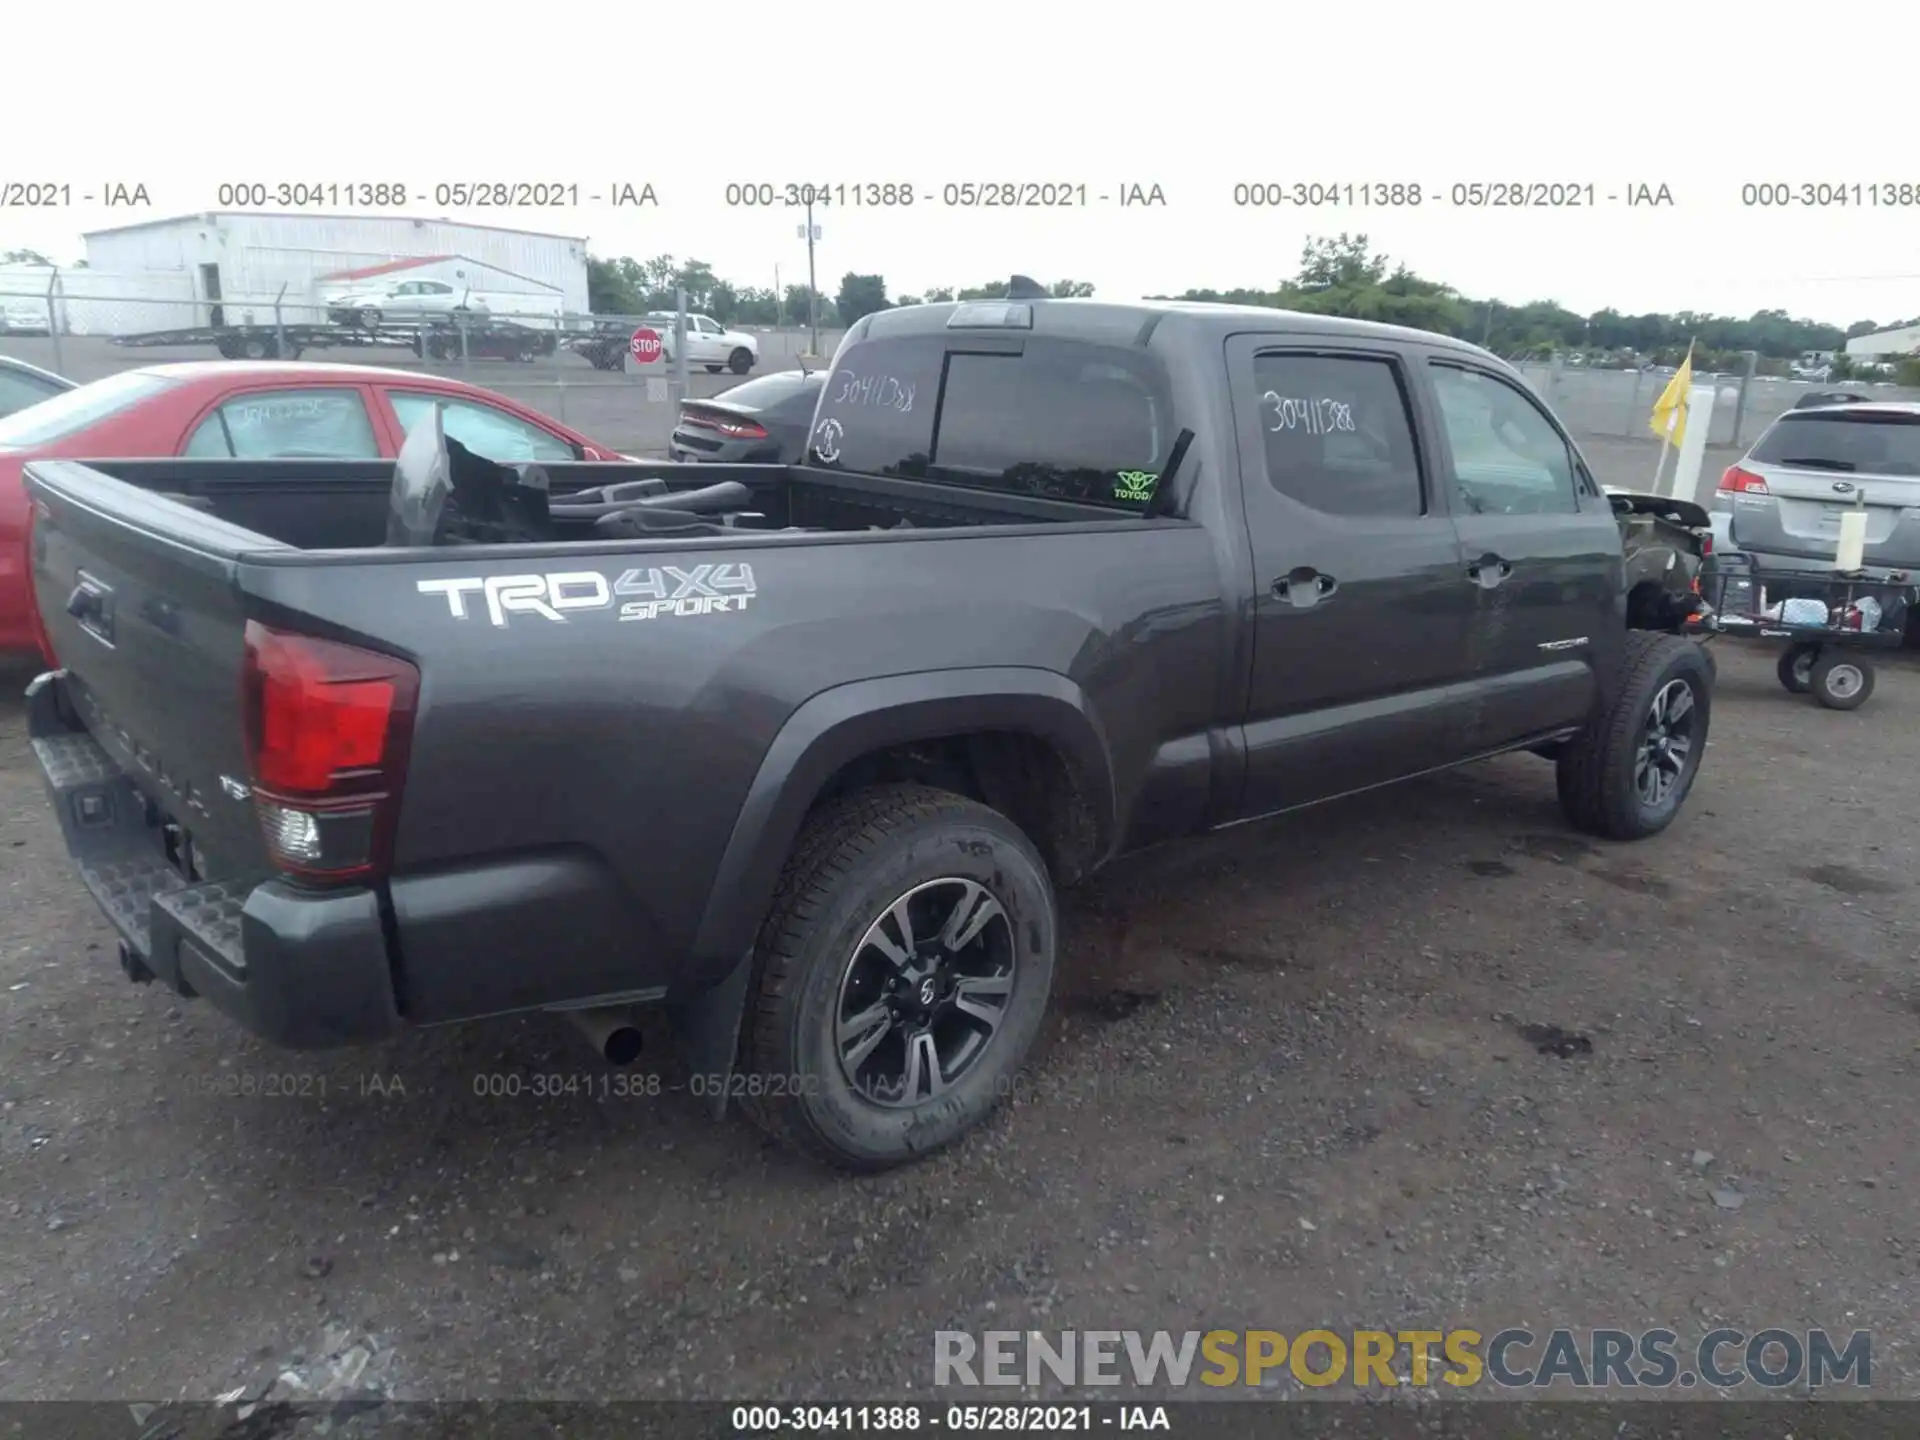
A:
<point x="1626" y="775"/>
<point x="825" y="958"/>
<point x="1796" y="667"/>
<point x="713" y="369"/>
<point x="1840" y="681"/>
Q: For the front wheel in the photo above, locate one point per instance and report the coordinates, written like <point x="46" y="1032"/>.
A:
<point x="901" y="976"/>
<point x="740" y="362"/>
<point x="1626" y="775"/>
<point x="369" y="319"/>
<point x="713" y="369"/>
<point x="1840" y="682"/>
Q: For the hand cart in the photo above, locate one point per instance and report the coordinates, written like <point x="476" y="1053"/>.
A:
<point x="1831" y="620"/>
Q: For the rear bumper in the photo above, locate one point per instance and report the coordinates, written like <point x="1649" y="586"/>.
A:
<point x="307" y="970"/>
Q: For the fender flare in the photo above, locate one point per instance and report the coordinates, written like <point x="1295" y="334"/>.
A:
<point x="847" y="721"/>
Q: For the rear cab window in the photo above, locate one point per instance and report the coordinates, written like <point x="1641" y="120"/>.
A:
<point x="1846" y="442"/>
<point x="1050" y="418"/>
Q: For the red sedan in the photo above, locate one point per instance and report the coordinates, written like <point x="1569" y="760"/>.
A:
<point x="255" y="410"/>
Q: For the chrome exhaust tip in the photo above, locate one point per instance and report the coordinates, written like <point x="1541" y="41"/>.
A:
<point x="614" y="1032"/>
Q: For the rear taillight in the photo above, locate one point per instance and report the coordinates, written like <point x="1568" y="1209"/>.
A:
<point x="729" y="425"/>
<point x="327" y="732"/>
<point x="1742" y="482"/>
<point x="36" y="513"/>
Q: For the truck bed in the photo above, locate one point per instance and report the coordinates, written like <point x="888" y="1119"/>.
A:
<point x="323" y="505"/>
<point x="586" y="723"/>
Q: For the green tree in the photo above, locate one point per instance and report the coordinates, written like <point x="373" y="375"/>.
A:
<point x="24" y="257"/>
<point x="860" y="296"/>
<point x="797" y="307"/>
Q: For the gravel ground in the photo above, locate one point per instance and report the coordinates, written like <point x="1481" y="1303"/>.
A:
<point x="1287" y="1085"/>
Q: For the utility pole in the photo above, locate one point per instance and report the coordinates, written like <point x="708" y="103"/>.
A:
<point x="779" y="300"/>
<point x="813" y="288"/>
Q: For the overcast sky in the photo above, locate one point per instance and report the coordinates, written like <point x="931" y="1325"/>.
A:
<point x="1194" y="97"/>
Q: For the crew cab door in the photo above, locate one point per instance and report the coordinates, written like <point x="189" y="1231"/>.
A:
<point x="1360" y="610"/>
<point x="1542" y="550"/>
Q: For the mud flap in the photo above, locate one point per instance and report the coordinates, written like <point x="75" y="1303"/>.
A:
<point x="707" y="1032"/>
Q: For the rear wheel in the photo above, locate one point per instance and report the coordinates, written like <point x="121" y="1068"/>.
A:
<point x="901" y="976"/>
<point x="1840" y="681"/>
<point x="1626" y="775"/>
<point x="1796" y="667"/>
<point x="714" y="369"/>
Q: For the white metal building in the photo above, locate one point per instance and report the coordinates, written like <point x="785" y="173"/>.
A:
<point x="243" y="261"/>
<point x="1885" y="344"/>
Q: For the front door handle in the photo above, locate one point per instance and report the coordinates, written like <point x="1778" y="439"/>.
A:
<point x="1488" y="571"/>
<point x="1304" y="588"/>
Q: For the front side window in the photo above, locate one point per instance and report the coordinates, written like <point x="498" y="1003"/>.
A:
<point x="1337" y="435"/>
<point x="1508" y="458"/>
<point x="288" y="424"/>
<point x="484" y="430"/>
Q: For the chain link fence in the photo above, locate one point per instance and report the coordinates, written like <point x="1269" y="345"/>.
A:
<point x="580" y="369"/>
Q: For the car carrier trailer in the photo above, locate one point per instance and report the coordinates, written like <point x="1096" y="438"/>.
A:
<point x="436" y="340"/>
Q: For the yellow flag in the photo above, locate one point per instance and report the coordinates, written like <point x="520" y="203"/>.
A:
<point x="1670" y="410"/>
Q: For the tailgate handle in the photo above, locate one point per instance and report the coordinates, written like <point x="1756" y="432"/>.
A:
<point x="91" y="603"/>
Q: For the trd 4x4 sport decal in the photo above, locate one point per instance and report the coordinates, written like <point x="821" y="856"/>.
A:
<point x="652" y="593"/>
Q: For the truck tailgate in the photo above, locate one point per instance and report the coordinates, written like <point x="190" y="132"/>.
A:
<point x="137" y="598"/>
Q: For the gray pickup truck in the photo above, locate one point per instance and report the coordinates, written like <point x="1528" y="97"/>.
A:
<point x="803" y="753"/>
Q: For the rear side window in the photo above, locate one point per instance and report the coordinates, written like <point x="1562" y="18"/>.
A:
<point x="289" y="424"/>
<point x="1066" y="421"/>
<point x="1338" y="435"/>
<point x="484" y="430"/>
<point x="1886" y="443"/>
<point x="1508" y="459"/>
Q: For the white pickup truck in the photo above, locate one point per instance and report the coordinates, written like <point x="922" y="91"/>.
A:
<point x="709" y="343"/>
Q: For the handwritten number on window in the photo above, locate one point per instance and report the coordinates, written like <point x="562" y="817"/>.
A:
<point x="1318" y="416"/>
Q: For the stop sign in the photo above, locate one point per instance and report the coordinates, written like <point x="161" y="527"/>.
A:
<point x="645" y="345"/>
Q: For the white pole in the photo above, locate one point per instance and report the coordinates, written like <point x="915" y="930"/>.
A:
<point x="1692" y="450"/>
<point x="1660" y="466"/>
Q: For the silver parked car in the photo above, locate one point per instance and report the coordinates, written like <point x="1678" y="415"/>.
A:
<point x="1783" y="502"/>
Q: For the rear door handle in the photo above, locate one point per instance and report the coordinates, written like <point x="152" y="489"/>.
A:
<point x="1488" y="571"/>
<point x="1304" y="588"/>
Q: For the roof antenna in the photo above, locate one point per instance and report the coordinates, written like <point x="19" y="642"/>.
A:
<point x="1024" y="287"/>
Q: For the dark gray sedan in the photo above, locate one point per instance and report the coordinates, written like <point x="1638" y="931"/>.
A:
<point x="760" y="422"/>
